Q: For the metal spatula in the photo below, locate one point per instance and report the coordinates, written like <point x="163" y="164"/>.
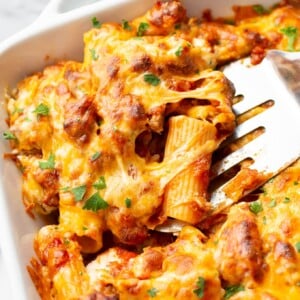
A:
<point x="277" y="80"/>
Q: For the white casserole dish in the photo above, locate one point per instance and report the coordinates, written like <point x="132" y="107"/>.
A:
<point x="56" y="35"/>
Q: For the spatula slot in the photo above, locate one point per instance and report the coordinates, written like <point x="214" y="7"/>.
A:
<point x="234" y="144"/>
<point x="254" y="111"/>
<point x="226" y="176"/>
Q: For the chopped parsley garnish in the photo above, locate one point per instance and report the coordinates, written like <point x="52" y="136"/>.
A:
<point x="18" y="110"/>
<point x="232" y="290"/>
<point x="286" y="200"/>
<point x="42" y="110"/>
<point x="296" y="182"/>
<point x="128" y="202"/>
<point x="84" y="228"/>
<point x="199" y="291"/>
<point x="152" y="79"/>
<point x="138" y="38"/>
<point x="264" y="190"/>
<point x="94" y="55"/>
<point x="178" y="52"/>
<point x="177" y="26"/>
<point x="229" y="21"/>
<point x="152" y="292"/>
<point x="126" y="25"/>
<point x="291" y="32"/>
<point x="95" y="203"/>
<point x="272" y="203"/>
<point x="66" y="241"/>
<point x="9" y="135"/>
<point x="297" y="246"/>
<point x="95" y="156"/>
<point x="96" y="23"/>
<point x="264" y="220"/>
<point x="100" y="184"/>
<point x="65" y="189"/>
<point x="49" y="164"/>
<point x="256" y="207"/>
<point x="142" y="29"/>
<point x="259" y="9"/>
<point x="79" y="192"/>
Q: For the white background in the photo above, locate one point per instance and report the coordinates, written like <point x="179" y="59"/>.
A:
<point x="15" y="15"/>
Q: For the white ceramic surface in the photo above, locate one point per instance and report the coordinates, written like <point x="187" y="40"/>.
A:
<point x="14" y="16"/>
<point x="57" y="34"/>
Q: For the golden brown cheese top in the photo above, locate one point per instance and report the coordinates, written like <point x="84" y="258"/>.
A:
<point x="123" y="142"/>
<point x="89" y="128"/>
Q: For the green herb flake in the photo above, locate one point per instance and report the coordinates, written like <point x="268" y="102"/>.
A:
<point x="66" y="241"/>
<point x="21" y="168"/>
<point x="79" y="192"/>
<point x="95" y="203"/>
<point x="94" y="55"/>
<point x="178" y="52"/>
<point x="17" y="110"/>
<point x="95" y="156"/>
<point x="256" y="207"/>
<point x="96" y="23"/>
<point x="7" y="135"/>
<point x="100" y="184"/>
<point x="259" y="9"/>
<point x="142" y="28"/>
<point x="177" y="26"/>
<point x="49" y="164"/>
<point x="232" y="290"/>
<point x="65" y="189"/>
<point x="296" y="182"/>
<point x="152" y="79"/>
<point x="264" y="190"/>
<point x="199" y="291"/>
<point x="84" y="228"/>
<point x="128" y="202"/>
<point x="264" y="220"/>
<point x="297" y="246"/>
<point x="229" y="21"/>
<point x="152" y="292"/>
<point x="42" y="110"/>
<point x="286" y="200"/>
<point x="272" y="203"/>
<point x="291" y="32"/>
<point x="137" y="38"/>
<point x="126" y="25"/>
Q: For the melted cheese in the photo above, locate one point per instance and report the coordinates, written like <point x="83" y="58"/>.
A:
<point x="91" y="143"/>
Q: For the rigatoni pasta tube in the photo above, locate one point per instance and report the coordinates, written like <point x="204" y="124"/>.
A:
<point x="86" y="224"/>
<point x="61" y="252"/>
<point x="185" y="195"/>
